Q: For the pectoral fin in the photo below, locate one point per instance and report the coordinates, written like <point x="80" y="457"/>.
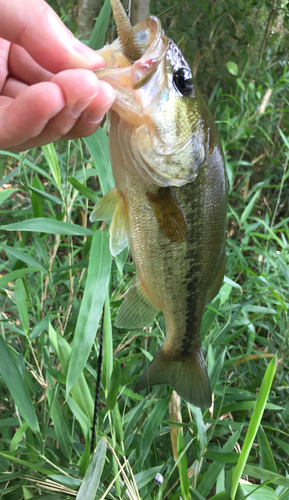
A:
<point x="105" y="207"/>
<point x="169" y="214"/>
<point x="119" y="228"/>
<point x="187" y="376"/>
<point x="137" y="310"/>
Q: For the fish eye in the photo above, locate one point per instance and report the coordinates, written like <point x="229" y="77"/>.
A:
<point x="183" y="81"/>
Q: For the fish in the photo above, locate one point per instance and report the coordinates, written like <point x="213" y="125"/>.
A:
<point x="169" y="200"/>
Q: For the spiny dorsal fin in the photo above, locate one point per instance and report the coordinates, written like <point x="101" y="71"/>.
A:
<point x="169" y="214"/>
<point x="105" y="207"/>
<point x="119" y="228"/>
<point x="136" y="311"/>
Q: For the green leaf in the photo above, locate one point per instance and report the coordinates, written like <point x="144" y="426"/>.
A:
<point x="232" y="68"/>
<point x="241" y="84"/>
<point x="250" y="206"/>
<point x="17" y="437"/>
<point x="151" y="427"/>
<point x="17" y="387"/>
<point x="36" y="200"/>
<point x="20" y="295"/>
<point x="107" y="360"/>
<point x="266" y="454"/>
<point x="4" y="195"/>
<point x="183" y="466"/>
<point x="97" y="36"/>
<point x="91" y="305"/>
<point x="23" y="256"/>
<point x="46" y="196"/>
<point x="90" y="482"/>
<point x="49" y="226"/>
<point x="265" y="475"/>
<point x="85" y="191"/>
<point x="113" y="387"/>
<point x="254" y="424"/>
<point x="52" y="161"/>
<point x="256" y="492"/>
<point x="215" y="468"/>
<point x="98" y="146"/>
<point x="80" y="392"/>
<point x="198" y="417"/>
<point x="4" y="280"/>
<point x="146" y="476"/>
<point x="59" y="423"/>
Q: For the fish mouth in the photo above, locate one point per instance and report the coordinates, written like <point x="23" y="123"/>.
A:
<point x="127" y="77"/>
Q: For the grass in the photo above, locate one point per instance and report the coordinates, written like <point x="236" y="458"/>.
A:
<point x="57" y="273"/>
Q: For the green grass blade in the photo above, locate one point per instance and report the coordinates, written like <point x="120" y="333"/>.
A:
<point x="91" y="305"/>
<point x="42" y="194"/>
<point x="4" y="195"/>
<point x="97" y="37"/>
<point x="113" y="386"/>
<point x="266" y="454"/>
<point x="154" y="420"/>
<point x="59" y="423"/>
<point x="183" y="466"/>
<point x="20" y="296"/>
<point x="52" y="161"/>
<point x="80" y="392"/>
<point x="254" y="424"/>
<point x="36" y="200"/>
<point x="17" y="274"/>
<point x="250" y="206"/>
<point x="17" y="387"/>
<point x="98" y="146"/>
<point x="90" y="482"/>
<point x="266" y="475"/>
<point x="50" y="226"/>
<point x="107" y="360"/>
<point x="215" y="468"/>
<point x="85" y="191"/>
<point x="23" y="256"/>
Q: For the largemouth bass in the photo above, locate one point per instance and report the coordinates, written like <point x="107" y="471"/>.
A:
<point x="169" y="202"/>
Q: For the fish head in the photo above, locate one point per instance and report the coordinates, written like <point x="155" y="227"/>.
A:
<point x="160" y="125"/>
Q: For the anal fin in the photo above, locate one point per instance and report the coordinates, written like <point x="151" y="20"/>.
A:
<point x="137" y="310"/>
<point x="169" y="214"/>
<point x="187" y="376"/>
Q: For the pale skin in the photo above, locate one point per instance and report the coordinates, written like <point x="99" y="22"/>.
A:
<point x="48" y="90"/>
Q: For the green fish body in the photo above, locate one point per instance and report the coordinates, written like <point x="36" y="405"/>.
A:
<point x="169" y="203"/>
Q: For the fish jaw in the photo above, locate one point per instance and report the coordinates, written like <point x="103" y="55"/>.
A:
<point x="169" y="140"/>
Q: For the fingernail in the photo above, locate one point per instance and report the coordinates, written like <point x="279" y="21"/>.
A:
<point x="97" y="61"/>
<point x="94" y="116"/>
<point x="80" y="106"/>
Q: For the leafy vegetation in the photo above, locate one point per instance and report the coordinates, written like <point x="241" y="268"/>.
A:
<point x="57" y="273"/>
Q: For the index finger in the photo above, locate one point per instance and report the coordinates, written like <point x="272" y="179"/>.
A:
<point x="36" y="27"/>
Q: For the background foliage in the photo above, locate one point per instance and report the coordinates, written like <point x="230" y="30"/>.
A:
<point x="56" y="274"/>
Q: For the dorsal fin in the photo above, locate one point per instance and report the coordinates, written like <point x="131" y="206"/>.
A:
<point x="136" y="311"/>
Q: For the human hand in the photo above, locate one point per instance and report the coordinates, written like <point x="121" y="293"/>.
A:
<point x="47" y="89"/>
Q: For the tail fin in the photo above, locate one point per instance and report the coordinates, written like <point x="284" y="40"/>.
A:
<point x="187" y="376"/>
